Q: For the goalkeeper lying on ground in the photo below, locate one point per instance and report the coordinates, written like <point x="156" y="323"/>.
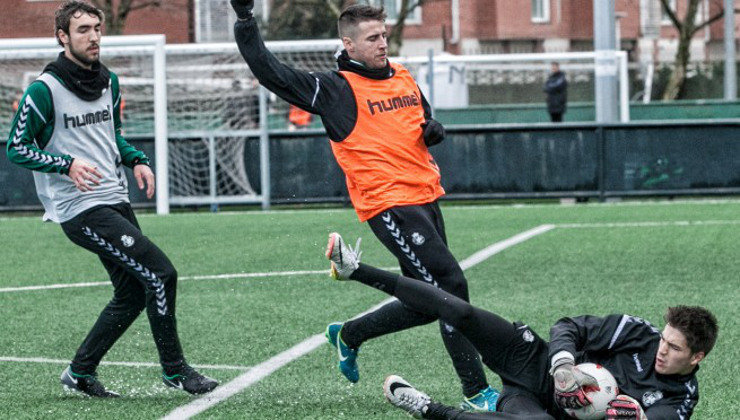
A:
<point x="655" y="370"/>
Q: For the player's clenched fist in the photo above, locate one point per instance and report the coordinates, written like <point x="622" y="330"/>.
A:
<point x="243" y="8"/>
<point x="625" y="407"/>
<point x="434" y="132"/>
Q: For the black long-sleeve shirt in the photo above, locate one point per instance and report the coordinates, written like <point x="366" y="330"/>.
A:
<point x="327" y="93"/>
<point x="556" y="88"/>
<point x="627" y="347"/>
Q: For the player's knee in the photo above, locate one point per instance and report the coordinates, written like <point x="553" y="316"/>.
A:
<point x="169" y="275"/>
<point x="129" y="303"/>
<point x="460" y="313"/>
<point x="455" y="284"/>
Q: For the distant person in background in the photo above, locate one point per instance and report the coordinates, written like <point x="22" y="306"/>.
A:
<point x="556" y="89"/>
<point x="243" y="108"/>
<point x="17" y="101"/>
<point x="298" y="118"/>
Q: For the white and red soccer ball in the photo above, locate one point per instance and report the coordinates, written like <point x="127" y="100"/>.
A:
<point x="600" y="395"/>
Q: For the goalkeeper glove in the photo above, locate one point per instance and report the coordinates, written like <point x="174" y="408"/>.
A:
<point x="624" y="407"/>
<point x="434" y="132"/>
<point x="243" y="8"/>
<point x="569" y="383"/>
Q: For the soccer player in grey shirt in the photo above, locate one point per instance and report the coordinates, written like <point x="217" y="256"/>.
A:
<point x="67" y="130"/>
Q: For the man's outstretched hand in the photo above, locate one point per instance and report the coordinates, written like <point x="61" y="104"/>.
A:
<point x="243" y="8"/>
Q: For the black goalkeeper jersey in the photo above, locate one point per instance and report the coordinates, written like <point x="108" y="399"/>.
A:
<point x="627" y="347"/>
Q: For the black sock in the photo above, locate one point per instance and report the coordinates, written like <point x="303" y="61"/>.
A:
<point x="174" y="368"/>
<point x="437" y="411"/>
<point x="382" y="280"/>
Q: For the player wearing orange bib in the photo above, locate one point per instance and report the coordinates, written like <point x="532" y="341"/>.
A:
<point x="380" y="126"/>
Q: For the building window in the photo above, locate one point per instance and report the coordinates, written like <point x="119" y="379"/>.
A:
<point x="540" y="11"/>
<point x="214" y="19"/>
<point x="393" y="7"/>
<point x="664" y="19"/>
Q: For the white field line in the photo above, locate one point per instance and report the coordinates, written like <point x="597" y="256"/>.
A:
<point x="450" y="205"/>
<point x="679" y="223"/>
<point x="255" y="374"/>
<point x="310" y="344"/>
<point x="128" y="364"/>
<point x="200" y="277"/>
<point x="494" y="249"/>
<point x="479" y="254"/>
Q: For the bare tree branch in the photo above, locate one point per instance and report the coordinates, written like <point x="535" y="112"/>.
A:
<point x="153" y="3"/>
<point x="671" y="15"/>
<point x="709" y="21"/>
<point x="395" y="39"/>
<point x="333" y="8"/>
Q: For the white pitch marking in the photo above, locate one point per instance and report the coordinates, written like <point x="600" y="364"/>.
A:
<point x="494" y="249"/>
<point x="52" y="286"/>
<point x="482" y="253"/>
<point x="681" y="223"/>
<point x="310" y="344"/>
<point x="129" y="364"/>
<point x="200" y="277"/>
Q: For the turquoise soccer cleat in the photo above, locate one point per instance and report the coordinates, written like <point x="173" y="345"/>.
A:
<point x="483" y="401"/>
<point x="347" y="356"/>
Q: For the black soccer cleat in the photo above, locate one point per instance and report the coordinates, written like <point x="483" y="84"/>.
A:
<point x="189" y="380"/>
<point x="86" y="384"/>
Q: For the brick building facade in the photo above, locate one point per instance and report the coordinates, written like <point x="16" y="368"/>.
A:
<point x="455" y="26"/>
<point x="35" y="18"/>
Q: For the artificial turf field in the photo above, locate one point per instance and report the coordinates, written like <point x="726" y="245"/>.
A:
<point x="253" y="285"/>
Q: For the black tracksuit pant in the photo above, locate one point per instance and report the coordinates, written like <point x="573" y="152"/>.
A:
<point x="416" y="236"/>
<point x="142" y="277"/>
<point x="511" y="350"/>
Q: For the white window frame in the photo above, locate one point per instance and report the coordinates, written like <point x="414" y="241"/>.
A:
<point x="545" y="17"/>
<point x="702" y="13"/>
<point x="664" y="19"/>
<point x="413" y="19"/>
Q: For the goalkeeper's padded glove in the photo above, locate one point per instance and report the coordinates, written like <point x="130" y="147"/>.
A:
<point x="624" y="407"/>
<point x="434" y="132"/>
<point x="243" y="8"/>
<point x="569" y="382"/>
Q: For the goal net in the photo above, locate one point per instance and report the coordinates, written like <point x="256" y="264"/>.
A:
<point x="219" y="118"/>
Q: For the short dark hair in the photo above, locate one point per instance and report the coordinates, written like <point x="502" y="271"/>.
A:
<point x="353" y="15"/>
<point x="697" y="324"/>
<point x="68" y="10"/>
